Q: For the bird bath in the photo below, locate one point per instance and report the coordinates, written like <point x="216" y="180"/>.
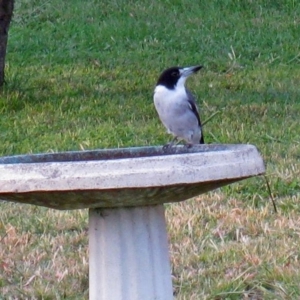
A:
<point x="125" y="190"/>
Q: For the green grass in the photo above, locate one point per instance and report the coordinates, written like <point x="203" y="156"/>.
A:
<point x="80" y="75"/>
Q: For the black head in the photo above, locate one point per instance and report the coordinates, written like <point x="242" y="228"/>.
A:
<point x="170" y="77"/>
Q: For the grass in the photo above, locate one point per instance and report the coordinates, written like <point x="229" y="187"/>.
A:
<point x="80" y="75"/>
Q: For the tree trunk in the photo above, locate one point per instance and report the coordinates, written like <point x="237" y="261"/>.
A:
<point x="6" y="11"/>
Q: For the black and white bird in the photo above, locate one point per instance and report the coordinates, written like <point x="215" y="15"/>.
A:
<point x="176" y="106"/>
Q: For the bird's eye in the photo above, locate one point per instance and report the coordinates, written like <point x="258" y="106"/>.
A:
<point x="174" y="74"/>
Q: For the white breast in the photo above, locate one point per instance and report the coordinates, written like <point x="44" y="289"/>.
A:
<point x="168" y="101"/>
<point x="175" y="113"/>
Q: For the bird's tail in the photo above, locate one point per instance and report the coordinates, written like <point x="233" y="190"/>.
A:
<point x="202" y="139"/>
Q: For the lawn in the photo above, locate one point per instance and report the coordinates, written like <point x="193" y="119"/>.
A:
<point x="80" y="75"/>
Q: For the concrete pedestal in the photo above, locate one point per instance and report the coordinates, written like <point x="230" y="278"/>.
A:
<point x="129" y="256"/>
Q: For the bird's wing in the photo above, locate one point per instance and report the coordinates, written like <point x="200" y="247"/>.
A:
<point x="193" y="107"/>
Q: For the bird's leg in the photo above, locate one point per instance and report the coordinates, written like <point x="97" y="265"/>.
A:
<point x="188" y="145"/>
<point x="169" y="145"/>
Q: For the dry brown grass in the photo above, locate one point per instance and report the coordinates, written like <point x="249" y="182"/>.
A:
<point x="223" y="249"/>
<point x="47" y="261"/>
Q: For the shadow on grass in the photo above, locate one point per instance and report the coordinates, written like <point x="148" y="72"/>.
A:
<point x="78" y="84"/>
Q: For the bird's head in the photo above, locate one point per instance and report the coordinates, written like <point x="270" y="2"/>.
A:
<point x="176" y="76"/>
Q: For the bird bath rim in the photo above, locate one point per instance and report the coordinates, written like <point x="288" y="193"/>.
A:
<point x="124" y="177"/>
<point x="117" y="153"/>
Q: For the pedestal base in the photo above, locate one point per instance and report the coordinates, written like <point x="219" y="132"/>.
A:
<point x="129" y="257"/>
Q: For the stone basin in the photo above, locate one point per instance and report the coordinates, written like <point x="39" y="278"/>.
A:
<point x="124" y="177"/>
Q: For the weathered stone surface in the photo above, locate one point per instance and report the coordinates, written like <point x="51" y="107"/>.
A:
<point x="124" y="177"/>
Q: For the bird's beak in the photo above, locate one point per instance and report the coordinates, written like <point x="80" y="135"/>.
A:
<point x="185" y="72"/>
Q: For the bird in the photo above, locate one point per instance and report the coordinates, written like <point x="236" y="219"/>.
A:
<point x="176" y="106"/>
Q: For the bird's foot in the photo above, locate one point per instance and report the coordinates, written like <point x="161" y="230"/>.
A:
<point x="174" y="142"/>
<point x="168" y="146"/>
<point x="188" y="146"/>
